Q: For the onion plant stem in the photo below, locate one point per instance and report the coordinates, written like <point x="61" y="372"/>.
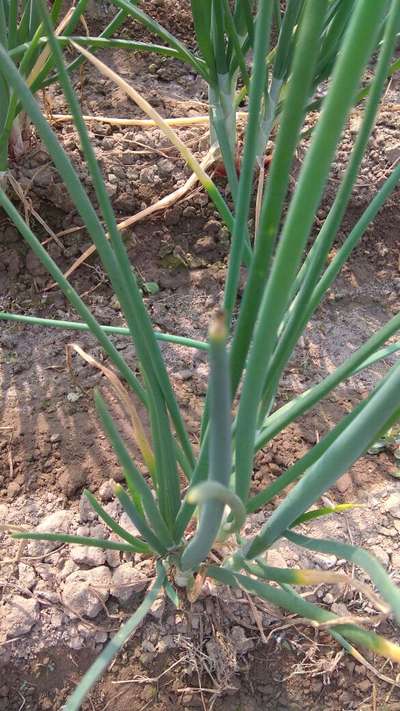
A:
<point x="117" y="330"/>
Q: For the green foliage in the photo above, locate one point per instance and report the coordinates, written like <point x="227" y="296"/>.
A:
<point x="389" y="440"/>
<point x="225" y="32"/>
<point x="23" y="36"/>
<point x="286" y="282"/>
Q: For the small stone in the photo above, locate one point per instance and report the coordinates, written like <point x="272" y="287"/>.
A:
<point x="98" y="530"/>
<point x="100" y="637"/>
<point x="114" y="509"/>
<point x="76" y="642"/>
<point x="158" y="607"/>
<point x="364" y="685"/>
<point x="20" y="615"/>
<point x="107" y="144"/>
<point x="328" y="599"/>
<point x="355" y="123"/>
<point x="54" y="438"/>
<point x="392" y="153"/>
<point x="13" y="489"/>
<point x="128" y="158"/>
<point x="184" y="374"/>
<point x="57" y="522"/>
<point x="113" y="558"/>
<point x="149" y="174"/>
<point x="87" y="555"/>
<point x="326" y="562"/>
<point x="74" y="396"/>
<point x="166" y="168"/>
<point x="44" y="593"/>
<point x="392" y="505"/>
<point x="381" y="554"/>
<point x="395" y="559"/>
<point x="34" y="266"/>
<point x="86" y="512"/>
<point x="83" y="531"/>
<point x="78" y="593"/>
<point x="212" y="227"/>
<point x="200" y="199"/>
<point x="172" y="216"/>
<point x="385" y="531"/>
<point x="126" y="582"/>
<point x="204" y="244"/>
<point x="340" y="609"/>
<point x="106" y="490"/>
<point x="72" y="479"/>
<point x="396" y="524"/>
<point x="276" y="559"/>
<point x="26" y="575"/>
<point x="127" y="524"/>
<point x="68" y="568"/>
<point x="242" y="643"/>
<point x="189" y="211"/>
<point x="344" y="482"/>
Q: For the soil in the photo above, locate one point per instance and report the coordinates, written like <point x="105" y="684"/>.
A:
<point x="209" y="654"/>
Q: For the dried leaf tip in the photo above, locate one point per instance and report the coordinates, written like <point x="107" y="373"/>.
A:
<point x="217" y="331"/>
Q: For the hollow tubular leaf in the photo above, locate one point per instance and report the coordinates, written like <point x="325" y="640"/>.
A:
<point x="286" y="40"/>
<point x="135" y="480"/>
<point x="113" y="647"/>
<point x="323" y="511"/>
<point x="304" y="609"/>
<point x="166" y="473"/>
<point x="117" y="330"/>
<point x="134" y="545"/>
<point x="185" y="152"/>
<point x="138" y="521"/>
<point x="298" y="468"/>
<point x="201" y="13"/>
<point x="209" y="490"/>
<point x="348" y="446"/>
<point x="303" y="305"/>
<point x="220" y="447"/>
<point x="257" y="84"/>
<point x="366" y="561"/>
<point x="360" y="39"/>
<point x="114" y="255"/>
<point x="71" y="294"/>
<point x="161" y="32"/>
<point x="277" y="184"/>
<point x="353" y="238"/>
<point x="275" y="422"/>
<point x="108" y="31"/>
<point x="115" y="527"/>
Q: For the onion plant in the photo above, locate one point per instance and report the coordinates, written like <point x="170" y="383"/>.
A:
<point x="225" y="35"/>
<point x="288" y="277"/>
<point x="22" y="35"/>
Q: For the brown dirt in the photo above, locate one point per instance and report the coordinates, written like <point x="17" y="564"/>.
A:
<point x="51" y="445"/>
